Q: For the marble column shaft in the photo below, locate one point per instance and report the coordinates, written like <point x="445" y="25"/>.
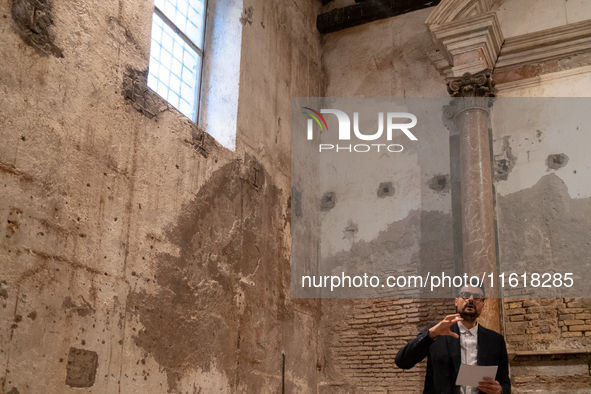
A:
<point x="478" y="227"/>
<point x="478" y="233"/>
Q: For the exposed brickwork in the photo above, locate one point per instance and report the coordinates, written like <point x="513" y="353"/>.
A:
<point x="364" y="344"/>
<point x="549" y="341"/>
<point x="551" y="384"/>
<point x="537" y="323"/>
<point x="553" y="373"/>
<point x="550" y="337"/>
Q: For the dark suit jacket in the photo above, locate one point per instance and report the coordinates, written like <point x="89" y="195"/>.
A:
<point x="444" y="358"/>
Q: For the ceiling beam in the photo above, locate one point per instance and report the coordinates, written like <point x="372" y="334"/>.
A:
<point x="367" y="11"/>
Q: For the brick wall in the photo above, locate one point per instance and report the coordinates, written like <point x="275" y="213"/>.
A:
<point x="549" y="341"/>
<point x="364" y="343"/>
<point x="558" y="373"/>
<point x="538" y="323"/>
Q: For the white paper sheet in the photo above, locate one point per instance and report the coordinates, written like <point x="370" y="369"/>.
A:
<point x="470" y="375"/>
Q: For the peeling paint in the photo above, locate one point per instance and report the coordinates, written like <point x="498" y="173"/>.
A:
<point x="419" y="243"/>
<point x="350" y="231"/>
<point x="543" y="228"/>
<point x="504" y="161"/>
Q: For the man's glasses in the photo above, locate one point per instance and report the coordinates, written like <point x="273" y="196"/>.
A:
<point x="467" y="295"/>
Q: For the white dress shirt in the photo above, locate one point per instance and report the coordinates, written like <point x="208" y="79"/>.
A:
<point x="469" y="347"/>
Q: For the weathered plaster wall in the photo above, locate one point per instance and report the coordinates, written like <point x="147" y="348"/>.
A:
<point x="570" y="81"/>
<point x="137" y="254"/>
<point x="382" y="59"/>
<point x="549" y="336"/>
<point x="543" y="202"/>
<point x="527" y="16"/>
<point x="360" y="337"/>
<point x="543" y="210"/>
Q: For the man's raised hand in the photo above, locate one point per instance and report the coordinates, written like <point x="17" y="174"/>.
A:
<point x="442" y="328"/>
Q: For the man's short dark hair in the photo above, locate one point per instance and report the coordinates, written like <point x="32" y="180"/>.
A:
<point x="481" y="287"/>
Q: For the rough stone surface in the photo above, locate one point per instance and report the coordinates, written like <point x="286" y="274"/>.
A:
<point x="132" y="237"/>
<point x="128" y="232"/>
<point x="135" y="89"/>
<point x="361" y="337"/>
<point x="420" y="243"/>
<point x="201" y="296"/>
<point x="82" y="309"/>
<point x="81" y="368"/>
<point x="35" y="20"/>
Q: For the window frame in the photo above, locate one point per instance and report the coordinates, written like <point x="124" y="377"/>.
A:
<point x="200" y="52"/>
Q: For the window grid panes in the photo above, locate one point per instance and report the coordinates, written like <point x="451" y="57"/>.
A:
<point x="187" y="15"/>
<point x="175" y="65"/>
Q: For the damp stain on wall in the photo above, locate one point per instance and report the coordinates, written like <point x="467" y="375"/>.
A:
<point x="223" y="238"/>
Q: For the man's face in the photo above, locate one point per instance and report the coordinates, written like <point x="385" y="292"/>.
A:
<point x="468" y="305"/>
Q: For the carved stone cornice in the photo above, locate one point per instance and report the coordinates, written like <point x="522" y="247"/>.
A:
<point x="529" y="58"/>
<point x="468" y="36"/>
<point x="452" y="10"/>
<point x="542" y="46"/>
<point x="467" y="45"/>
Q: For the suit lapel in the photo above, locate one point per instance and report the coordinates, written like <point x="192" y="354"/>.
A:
<point x="483" y="344"/>
<point x="454" y="347"/>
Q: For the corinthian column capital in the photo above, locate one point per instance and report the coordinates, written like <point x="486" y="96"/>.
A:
<point x="471" y="91"/>
<point x="479" y="84"/>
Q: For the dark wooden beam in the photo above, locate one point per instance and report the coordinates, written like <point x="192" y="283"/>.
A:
<point x="325" y="2"/>
<point x="367" y="11"/>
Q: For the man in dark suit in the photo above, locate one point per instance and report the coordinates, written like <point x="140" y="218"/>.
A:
<point x="459" y="339"/>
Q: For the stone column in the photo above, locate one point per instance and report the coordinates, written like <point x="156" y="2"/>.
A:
<point x="469" y="113"/>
